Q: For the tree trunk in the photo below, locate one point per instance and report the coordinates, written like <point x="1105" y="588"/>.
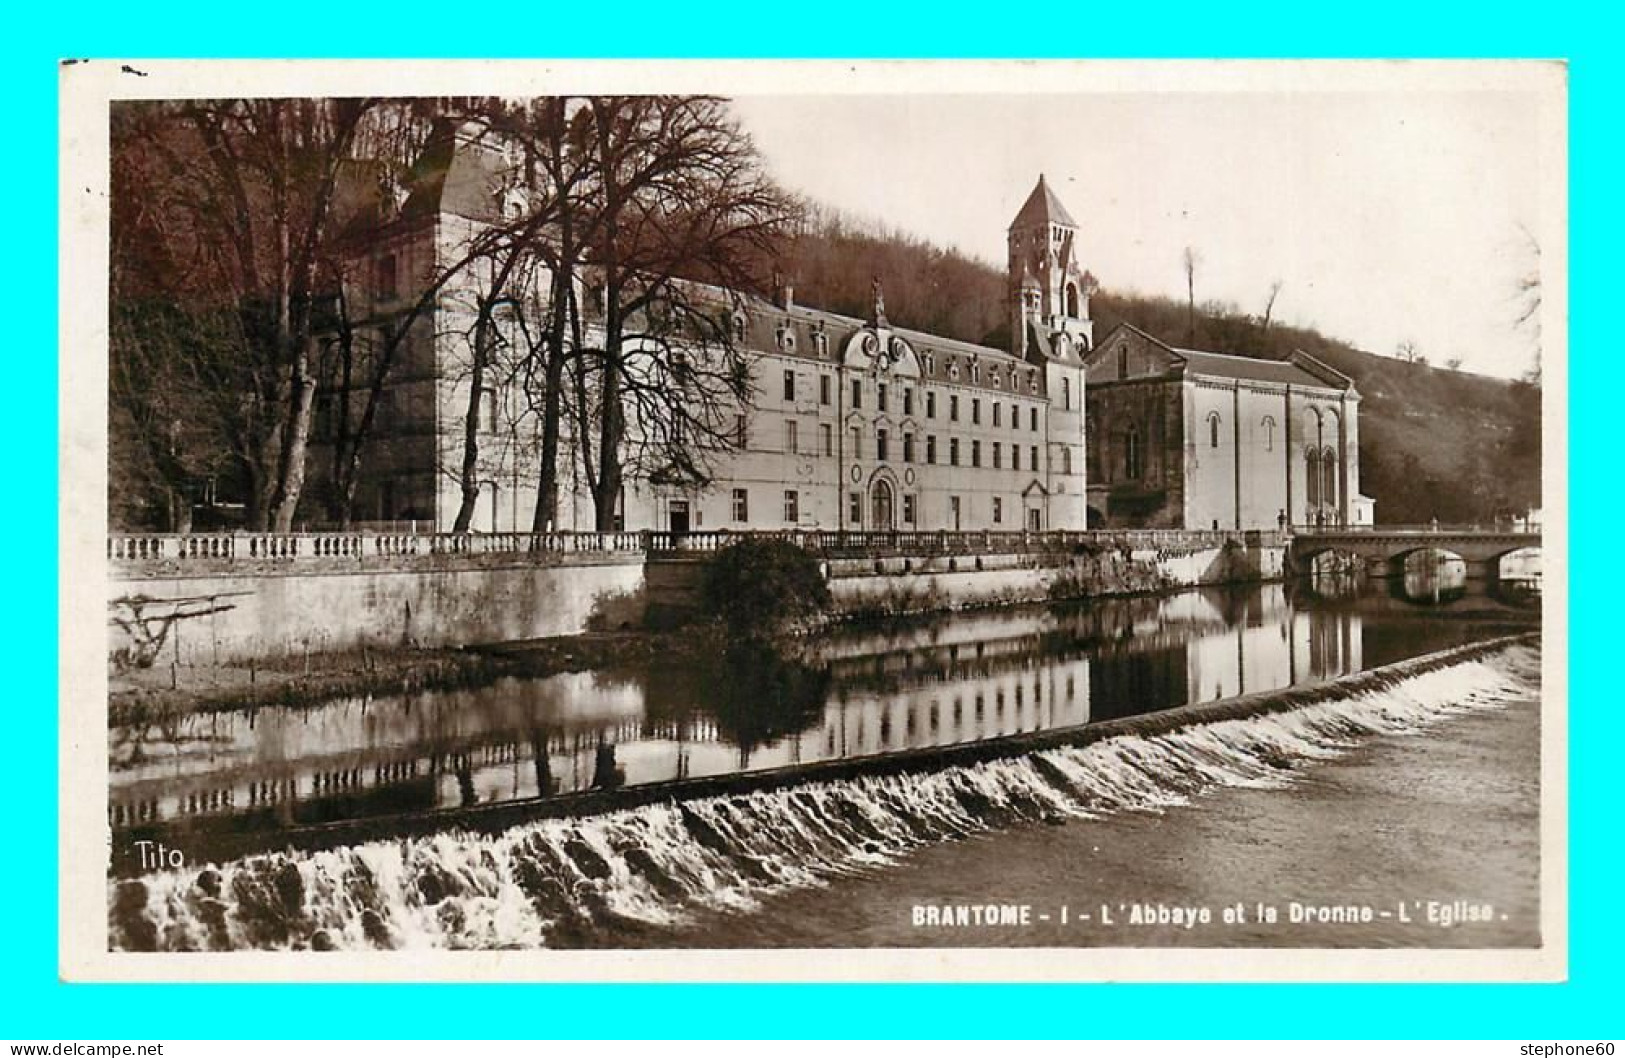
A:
<point x="296" y="441"/>
<point x="547" y="491"/>
<point x="469" y="473"/>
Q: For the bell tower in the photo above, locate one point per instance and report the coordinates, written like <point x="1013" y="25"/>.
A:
<point x="1049" y="292"/>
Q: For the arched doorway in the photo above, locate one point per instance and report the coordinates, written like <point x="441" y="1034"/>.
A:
<point x="881" y="505"/>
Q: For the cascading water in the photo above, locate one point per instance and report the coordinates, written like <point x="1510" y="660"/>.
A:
<point x="600" y="880"/>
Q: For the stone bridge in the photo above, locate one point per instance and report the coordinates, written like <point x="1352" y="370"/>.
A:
<point x="1384" y="550"/>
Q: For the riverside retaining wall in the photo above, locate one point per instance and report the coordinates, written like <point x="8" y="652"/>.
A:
<point x="231" y="599"/>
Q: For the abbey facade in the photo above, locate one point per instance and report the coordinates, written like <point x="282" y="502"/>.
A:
<point x="851" y="424"/>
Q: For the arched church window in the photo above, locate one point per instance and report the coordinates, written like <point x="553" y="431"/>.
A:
<point x="1133" y="458"/>
<point x="1328" y="470"/>
<point x="1072" y="301"/>
<point x="1122" y="360"/>
<point x="1312" y="476"/>
<point x="1213" y="429"/>
<point x="1066" y="393"/>
<point x="1269" y="434"/>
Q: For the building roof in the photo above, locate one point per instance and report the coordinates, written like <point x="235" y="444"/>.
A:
<point x="1223" y="365"/>
<point x="1042" y="207"/>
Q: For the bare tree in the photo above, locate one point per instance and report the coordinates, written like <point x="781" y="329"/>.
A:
<point x="1269" y="303"/>
<point x="242" y="196"/>
<point x="1406" y="351"/>
<point x="681" y="213"/>
<point x="1527" y="299"/>
<point x="1190" y="259"/>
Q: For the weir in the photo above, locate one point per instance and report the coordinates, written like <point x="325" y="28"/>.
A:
<point x="647" y="858"/>
<point x="492" y="818"/>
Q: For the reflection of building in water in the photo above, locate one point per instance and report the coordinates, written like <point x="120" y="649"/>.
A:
<point x="974" y="701"/>
<point x="926" y="684"/>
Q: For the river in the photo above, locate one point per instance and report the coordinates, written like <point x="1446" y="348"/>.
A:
<point x="1244" y="811"/>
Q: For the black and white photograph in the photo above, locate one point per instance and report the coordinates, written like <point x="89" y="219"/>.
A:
<point x="809" y="520"/>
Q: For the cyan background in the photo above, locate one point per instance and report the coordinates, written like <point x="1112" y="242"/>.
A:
<point x="34" y="1004"/>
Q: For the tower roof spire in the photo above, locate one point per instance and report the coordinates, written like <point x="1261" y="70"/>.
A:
<point x="1043" y="207"/>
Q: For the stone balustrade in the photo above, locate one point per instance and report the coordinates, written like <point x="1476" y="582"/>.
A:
<point x="131" y="552"/>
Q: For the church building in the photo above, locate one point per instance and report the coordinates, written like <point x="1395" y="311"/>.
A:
<point x="1184" y="439"/>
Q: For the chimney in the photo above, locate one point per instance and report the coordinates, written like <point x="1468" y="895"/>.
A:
<point x="784" y="290"/>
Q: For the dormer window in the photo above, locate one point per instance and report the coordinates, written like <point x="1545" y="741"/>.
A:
<point x="739" y="328"/>
<point x="787" y="338"/>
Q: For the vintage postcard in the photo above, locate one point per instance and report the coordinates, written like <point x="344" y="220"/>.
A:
<point x="1033" y="521"/>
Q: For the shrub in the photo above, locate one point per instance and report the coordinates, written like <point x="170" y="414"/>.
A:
<point x="757" y="585"/>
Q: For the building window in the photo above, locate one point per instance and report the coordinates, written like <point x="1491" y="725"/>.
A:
<point x="976" y="453"/>
<point x="998" y="414"/>
<point x="1032" y="381"/>
<point x="908" y="448"/>
<point x="998" y="453"/>
<point x="827" y="433"/>
<point x="857" y="393"/>
<point x="1066" y="459"/>
<point x="857" y="444"/>
<point x="1133" y="457"/>
<point x="1269" y="434"/>
<point x="976" y="411"/>
<point x="1072" y="301"/>
<point x="790" y="436"/>
<point x="953" y="510"/>
<point x="1311" y="460"/>
<point x="1015" y="416"/>
<point x="998" y="510"/>
<point x="931" y="449"/>
<point x="953" y="407"/>
<point x="953" y="451"/>
<point x="487" y="415"/>
<point x="1032" y="419"/>
<point x="1015" y="457"/>
<point x="790" y="385"/>
<point x="976" y="374"/>
<point x="388" y="278"/>
<point x="739" y="328"/>
<point x="880" y="445"/>
<point x="880" y="396"/>
<point x="1066" y="390"/>
<point x="820" y="344"/>
<point x="741" y="432"/>
<point x="1122" y="360"/>
<point x="1033" y="452"/>
<point x="930" y="364"/>
<point x="908" y="402"/>
<point x="908" y="508"/>
<point x="930" y="405"/>
<point x="792" y="506"/>
<point x="854" y="509"/>
<point x="823" y="389"/>
<point x="1213" y="429"/>
<point x="741" y="505"/>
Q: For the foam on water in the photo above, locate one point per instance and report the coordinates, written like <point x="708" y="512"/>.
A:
<point x="575" y="882"/>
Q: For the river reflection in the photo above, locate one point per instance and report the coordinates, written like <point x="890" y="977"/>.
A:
<point x="860" y="691"/>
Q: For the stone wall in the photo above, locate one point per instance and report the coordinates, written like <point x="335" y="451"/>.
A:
<point x="1108" y="566"/>
<point x="235" y="617"/>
